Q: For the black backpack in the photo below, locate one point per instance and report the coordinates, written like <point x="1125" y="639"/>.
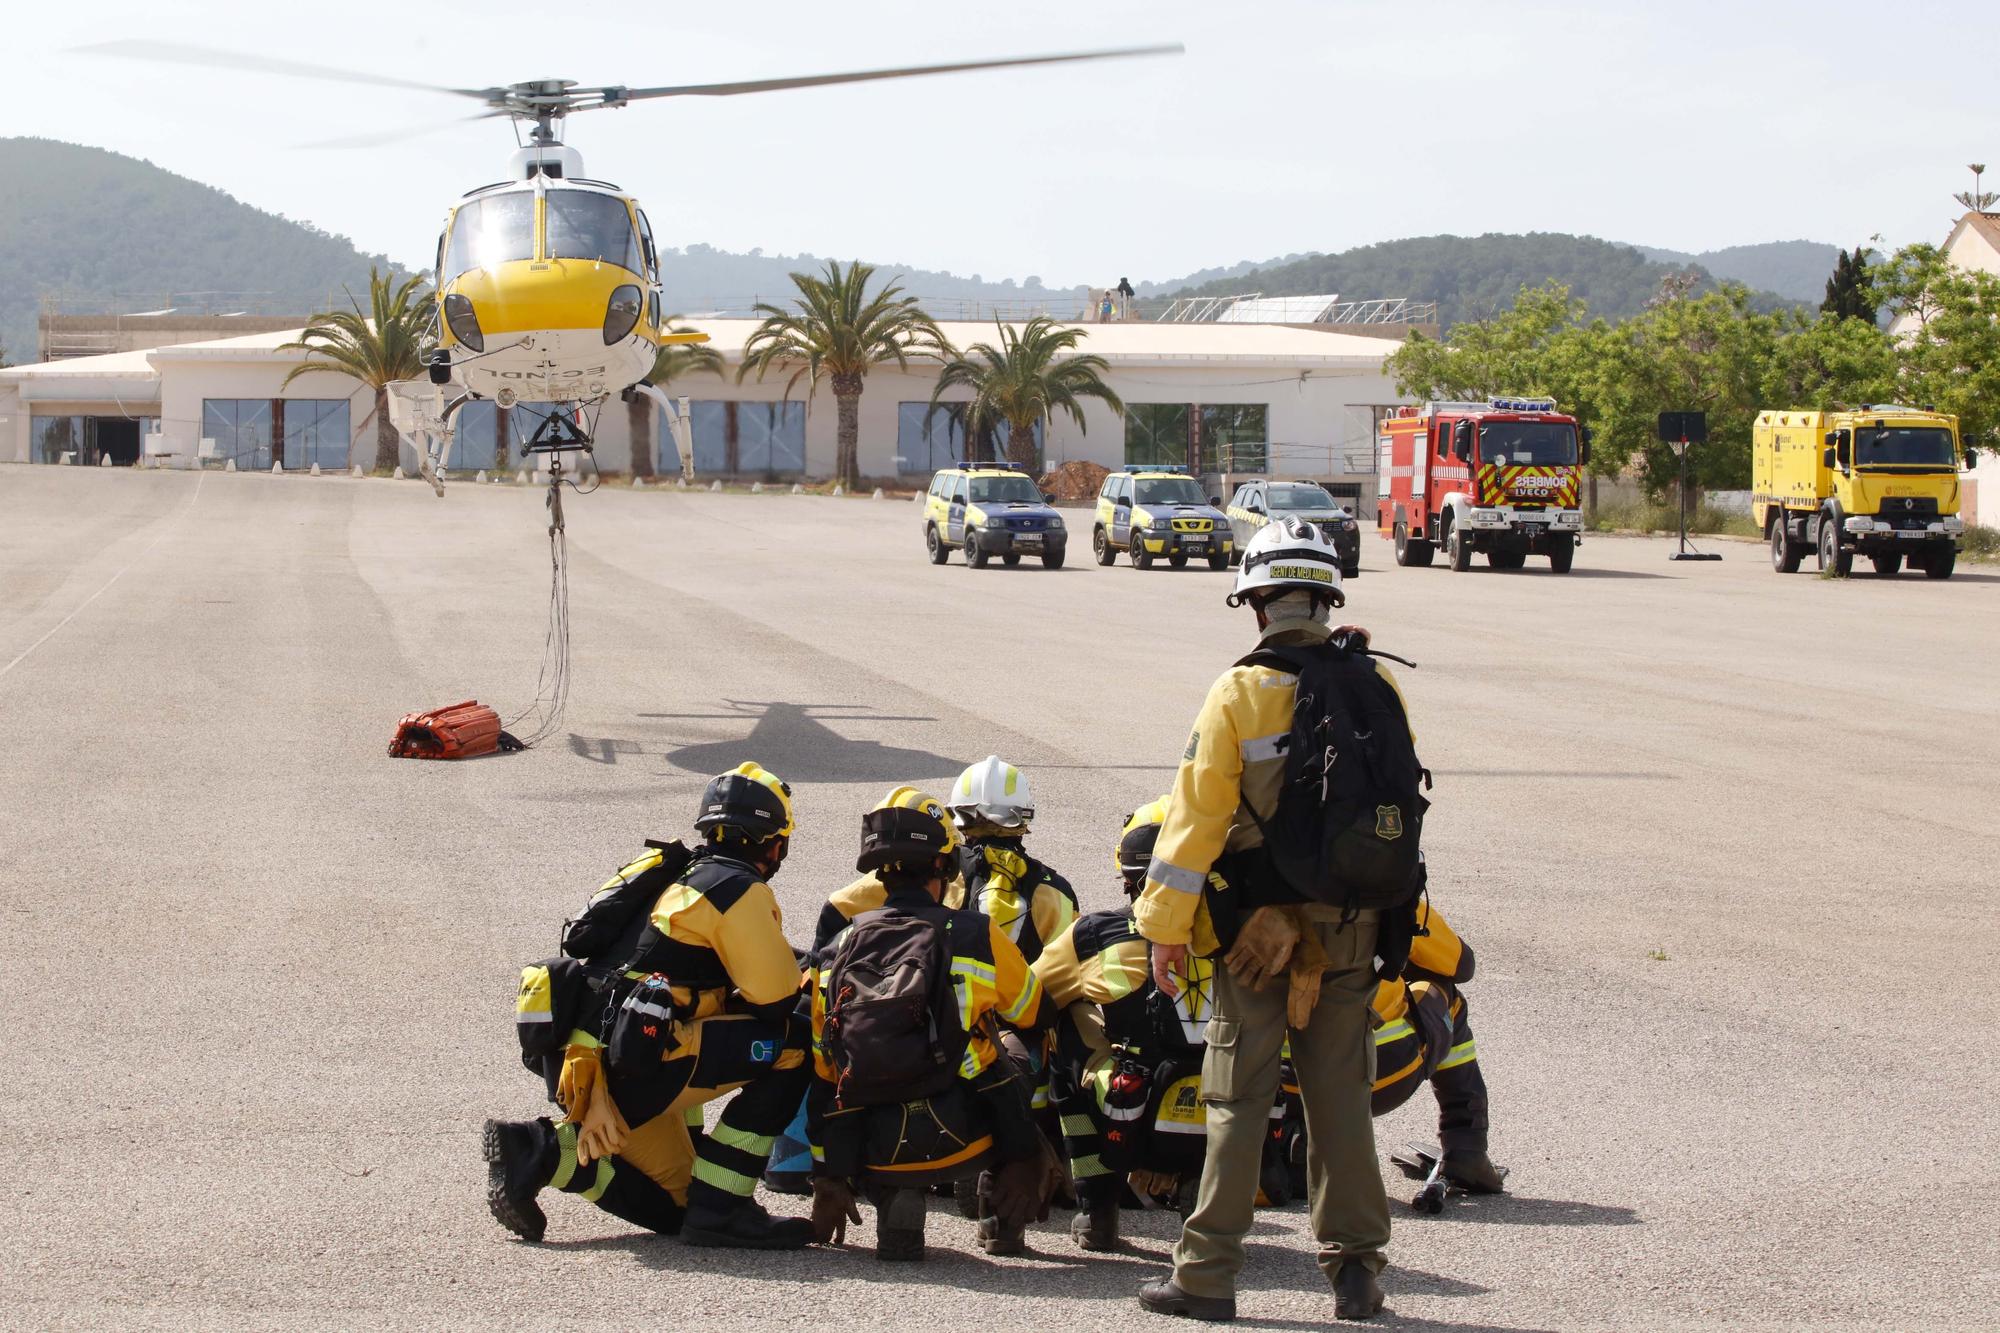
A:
<point x="891" y="1030"/>
<point x="608" y="929"/>
<point x="1350" y="814"/>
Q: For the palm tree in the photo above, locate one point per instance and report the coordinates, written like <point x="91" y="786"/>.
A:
<point x="835" y="332"/>
<point x="388" y="343"/>
<point x="1020" y="382"/>
<point x="671" y="362"/>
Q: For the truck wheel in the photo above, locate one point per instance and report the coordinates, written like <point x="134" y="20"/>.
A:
<point x="1141" y="557"/>
<point x="1785" y="553"/>
<point x="1832" y="555"/>
<point x="1411" y="552"/>
<point x="1888" y="565"/>
<point x="1562" y="555"/>
<point x="1941" y="563"/>
<point x="1221" y="561"/>
<point x="975" y="555"/>
<point x="935" y="545"/>
<point x="1100" y="546"/>
<point x="1457" y="550"/>
<point x="1052" y="558"/>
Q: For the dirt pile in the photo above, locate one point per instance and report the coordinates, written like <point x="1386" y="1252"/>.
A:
<point x="1075" y="481"/>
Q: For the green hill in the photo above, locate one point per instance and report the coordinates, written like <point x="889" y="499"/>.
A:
<point x="1470" y="277"/>
<point x="1796" y="270"/>
<point x="96" y="227"/>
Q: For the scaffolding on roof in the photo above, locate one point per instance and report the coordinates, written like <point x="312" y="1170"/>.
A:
<point x="1257" y="308"/>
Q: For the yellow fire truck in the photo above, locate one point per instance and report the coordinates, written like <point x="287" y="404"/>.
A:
<point x="1880" y="481"/>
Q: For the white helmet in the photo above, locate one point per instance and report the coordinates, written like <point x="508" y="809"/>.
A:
<point x="1289" y="553"/>
<point x="992" y="791"/>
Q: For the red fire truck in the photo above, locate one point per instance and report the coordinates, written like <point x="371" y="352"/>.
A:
<point x="1500" y="476"/>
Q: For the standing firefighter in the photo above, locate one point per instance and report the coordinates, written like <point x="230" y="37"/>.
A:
<point x="1300" y="785"/>
<point x="911" y="1086"/>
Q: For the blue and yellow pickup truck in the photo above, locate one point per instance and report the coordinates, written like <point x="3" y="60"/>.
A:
<point x="1257" y="502"/>
<point x="1159" y="513"/>
<point x="988" y="510"/>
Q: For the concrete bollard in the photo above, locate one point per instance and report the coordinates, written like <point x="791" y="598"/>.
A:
<point x="398" y="474"/>
<point x="680" y="483"/>
<point x="638" y="483"/>
<point x="481" y="478"/>
<point x="521" y="478"/>
<point x="229" y="466"/>
<point x="838" y="491"/>
<point x="798" y="489"/>
<point x="715" y="486"/>
<point x="277" y="468"/>
<point x="104" y="460"/>
<point x="356" y="471"/>
<point x="315" y="469"/>
<point x="756" y="488"/>
<point x="878" y="494"/>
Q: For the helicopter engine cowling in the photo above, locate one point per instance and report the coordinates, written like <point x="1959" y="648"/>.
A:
<point x="555" y="160"/>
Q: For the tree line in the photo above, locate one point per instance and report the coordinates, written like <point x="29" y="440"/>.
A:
<point x="1716" y="352"/>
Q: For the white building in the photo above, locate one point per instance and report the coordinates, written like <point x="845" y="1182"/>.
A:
<point x="1974" y="245"/>
<point x="1245" y="398"/>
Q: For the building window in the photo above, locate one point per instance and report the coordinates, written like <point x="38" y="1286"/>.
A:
<point x="475" y="438"/>
<point x="927" y="440"/>
<point x="315" y="431"/>
<point x="1156" y="434"/>
<point x="737" y="438"/>
<point x="49" y="438"/>
<point x="240" y="429"/>
<point x="1235" y="437"/>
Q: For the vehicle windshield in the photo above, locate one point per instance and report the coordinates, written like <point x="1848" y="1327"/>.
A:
<point x="488" y="232"/>
<point x="1527" y="443"/>
<point x="1005" y="490"/>
<point x="1167" y="491"/>
<point x="583" y="225"/>
<point x="1301" y="496"/>
<point x="1905" y="446"/>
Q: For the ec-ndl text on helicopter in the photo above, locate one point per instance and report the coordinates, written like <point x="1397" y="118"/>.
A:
<point x="548" y="282"/>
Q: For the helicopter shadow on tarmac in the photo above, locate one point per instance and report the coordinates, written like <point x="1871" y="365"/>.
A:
<point x="794" y="740"/>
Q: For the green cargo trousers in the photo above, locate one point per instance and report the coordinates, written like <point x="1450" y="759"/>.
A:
<point x="1334" y="1056"/>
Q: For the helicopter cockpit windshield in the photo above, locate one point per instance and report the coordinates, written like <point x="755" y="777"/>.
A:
<point x="489" y="232"/>
<point x="585" y="225"/>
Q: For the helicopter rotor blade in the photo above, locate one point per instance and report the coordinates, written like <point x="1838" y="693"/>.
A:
<point x="381" y="137"/>
<point x="181" y="53"/>
<point x="869" y="76"/>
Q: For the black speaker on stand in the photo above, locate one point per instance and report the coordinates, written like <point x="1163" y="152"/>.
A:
<point x="1681" y="431"/>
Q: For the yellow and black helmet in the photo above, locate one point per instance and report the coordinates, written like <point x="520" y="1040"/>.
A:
<point x="750" y="801"/>
<point x="1134" y="856"/>
<point x="906" y="826"/>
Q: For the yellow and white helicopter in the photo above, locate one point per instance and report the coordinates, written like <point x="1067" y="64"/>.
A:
<point x="548" y="282"/>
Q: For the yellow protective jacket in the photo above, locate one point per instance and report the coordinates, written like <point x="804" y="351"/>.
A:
<point x="1029" y="902"/>
<point x="717" y="930"/>
<point x="1233" y="759"/>
<point x="1440" y="955"/>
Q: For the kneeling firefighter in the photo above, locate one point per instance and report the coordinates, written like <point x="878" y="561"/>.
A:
<point x="911" y="1086"/>
<point x="1129" y="1055"/>
<point x="1425" y="1033"/>
<point x="707" y="1005"/>
<point x="993" y="807"/>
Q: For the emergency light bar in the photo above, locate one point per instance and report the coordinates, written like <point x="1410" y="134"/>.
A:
<point x="1496" y="405"/>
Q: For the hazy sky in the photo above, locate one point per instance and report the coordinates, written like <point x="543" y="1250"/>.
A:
<point x="1286" y="126"/>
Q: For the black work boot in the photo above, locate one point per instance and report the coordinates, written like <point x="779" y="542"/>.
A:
<point x="1095" y="1227"/>
<point x="743" y="1226"/>
<point x="520" y="1160"/>
<point x="996" y="1237"/>
<point x="1473" y="1171"/>
<point x="899" y="1226"/>
<point x="1161" y="1296"/>
<point x="1356" y="1293"/>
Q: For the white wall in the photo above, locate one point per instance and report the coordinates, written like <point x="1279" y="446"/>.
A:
<point x="184" y="383"/>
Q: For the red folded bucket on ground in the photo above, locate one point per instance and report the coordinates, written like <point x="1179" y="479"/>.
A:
<point x="456" y="731"/>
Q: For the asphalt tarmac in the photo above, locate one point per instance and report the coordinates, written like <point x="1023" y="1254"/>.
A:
<point x="1723" y="842"/>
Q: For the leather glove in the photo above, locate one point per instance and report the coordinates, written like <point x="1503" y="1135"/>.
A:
<point x="1308" y="969"/>
<point x="833" y="1208"/>
<point x="1263" y="947"/>
<point x="604" y="1130"/>
<point x="1153" y="1186"/>
<point x="582" y="1071"/>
